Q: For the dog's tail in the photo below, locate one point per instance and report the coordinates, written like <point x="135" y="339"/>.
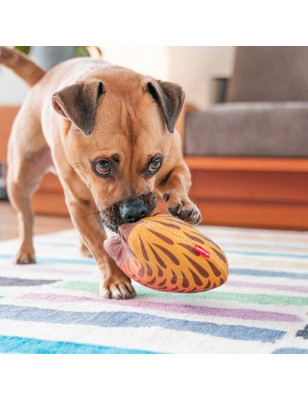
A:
<point x="30" y="72"/>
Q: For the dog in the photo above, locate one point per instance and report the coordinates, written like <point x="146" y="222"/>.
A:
<point x="109" y="134"/>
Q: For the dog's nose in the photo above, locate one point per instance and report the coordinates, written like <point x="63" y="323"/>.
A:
<point x="134" y="210"/>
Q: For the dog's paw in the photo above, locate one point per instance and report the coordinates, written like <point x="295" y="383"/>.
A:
<point x="25" y="256"/>
<point x="117" y="287"/>
<point x="184" y="209"/>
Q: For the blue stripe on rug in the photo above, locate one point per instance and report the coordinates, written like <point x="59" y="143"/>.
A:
<point x="267" y="254"/>
<point x="276" y="274"/>
<point x="290" y="350"/>
<point x="242" y="252"/>
<point x="57" y="244"/>
<point x="222" y="243"/>
<point x="253" y="253"/>
<point x="23" y="345"/>
<point x="55" y="260"/>
<point x="268" y="243"/>
<point x="138" y="320"/>
<point x="235" y="271"/>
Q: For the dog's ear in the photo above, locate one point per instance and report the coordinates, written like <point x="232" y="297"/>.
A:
<point x="79" y="103"/>
<point x="170" y="98"/>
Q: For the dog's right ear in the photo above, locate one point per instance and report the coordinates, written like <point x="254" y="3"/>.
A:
<point x="79" y="103"/>
<point x="169" y="97"/>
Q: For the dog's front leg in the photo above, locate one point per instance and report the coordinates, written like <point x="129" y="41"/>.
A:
<point x="174" y="188"/>
<point x="115" y="284"/>
<point x="86" y="219"/>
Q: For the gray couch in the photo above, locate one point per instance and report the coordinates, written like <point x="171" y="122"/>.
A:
<point x="266" y="109"/>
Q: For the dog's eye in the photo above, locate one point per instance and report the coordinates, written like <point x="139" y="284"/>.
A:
<point x="155" y="165"/>
<point x="102" y="167"/>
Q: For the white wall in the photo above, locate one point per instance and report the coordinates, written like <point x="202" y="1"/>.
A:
<point x="195" y="67"/>
<point x="151" y="60"/>
<point x="191" y="67"/>
<point x="12" y="89"/>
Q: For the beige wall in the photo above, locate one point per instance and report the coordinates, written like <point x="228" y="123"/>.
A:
<point x="150" y="60"/>
<point x="192" y="67"/>
<point x="195" y="67"/>
<point x="12" y="89"/>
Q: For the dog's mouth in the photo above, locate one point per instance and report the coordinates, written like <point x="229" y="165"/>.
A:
<point x="112" y="218"/>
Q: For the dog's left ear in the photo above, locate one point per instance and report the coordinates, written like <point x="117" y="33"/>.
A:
<point x="170" y="98"/>
<point x="79" y="103"/>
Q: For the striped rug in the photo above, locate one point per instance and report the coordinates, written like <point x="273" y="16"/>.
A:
<point x="54" y="307"/>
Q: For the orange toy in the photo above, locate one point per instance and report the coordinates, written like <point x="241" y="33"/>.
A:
<point x="164" y="253"/>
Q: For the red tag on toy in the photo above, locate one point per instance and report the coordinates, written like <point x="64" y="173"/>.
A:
<point x="200" y="250"/>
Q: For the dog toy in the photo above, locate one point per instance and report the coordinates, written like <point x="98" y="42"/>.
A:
<point x="167" y="254"/>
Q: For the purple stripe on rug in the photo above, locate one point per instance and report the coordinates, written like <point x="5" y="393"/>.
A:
<point x="246" y="314"/>
<point x="287" y="288"/>
<point x="7" y="281"/>
<point x="29" y="269"/>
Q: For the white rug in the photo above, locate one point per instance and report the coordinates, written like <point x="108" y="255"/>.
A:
<point x="54" y="307"/>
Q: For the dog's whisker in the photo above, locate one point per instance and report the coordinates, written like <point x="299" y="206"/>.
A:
<point x="90" y="214"/>
<point x="100" y="228"/>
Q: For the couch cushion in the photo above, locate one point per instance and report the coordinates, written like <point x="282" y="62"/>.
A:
<point x="249" y="129"/>
<point x="269" y="73"/>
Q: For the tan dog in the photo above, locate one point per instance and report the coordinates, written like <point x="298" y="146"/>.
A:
<point x="108" y="133"/>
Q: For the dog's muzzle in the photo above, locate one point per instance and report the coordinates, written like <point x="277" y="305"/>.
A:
<point x="129" y="211"/>
<point x="132" y="211"/>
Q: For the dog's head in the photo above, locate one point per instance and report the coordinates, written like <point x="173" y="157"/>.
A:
<point x="118" y="138"/>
